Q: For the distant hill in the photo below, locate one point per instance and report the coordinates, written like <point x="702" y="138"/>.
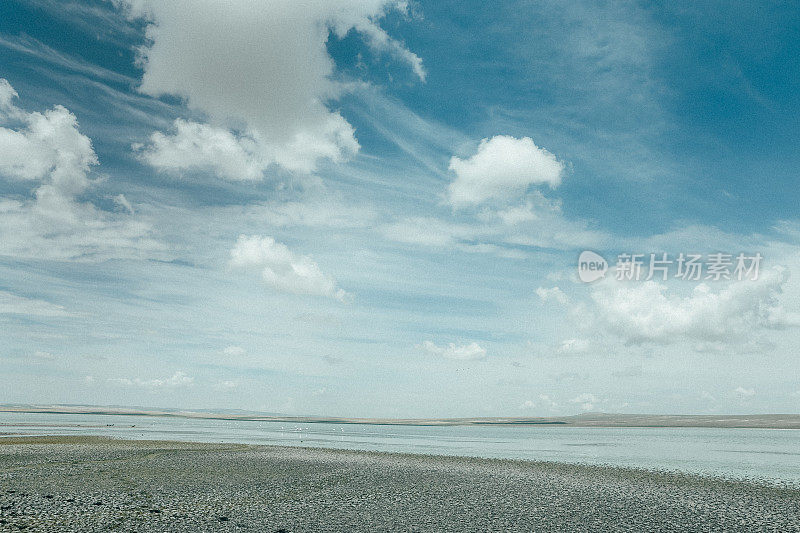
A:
<point x="774" y="421"/>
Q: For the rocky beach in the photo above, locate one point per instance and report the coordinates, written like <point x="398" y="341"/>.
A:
<point x="98" y="484"/>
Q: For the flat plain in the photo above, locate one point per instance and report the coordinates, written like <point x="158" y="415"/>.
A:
<point x="98" y="484"/>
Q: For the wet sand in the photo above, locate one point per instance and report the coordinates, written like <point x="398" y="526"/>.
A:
<point x="97" y="484"/>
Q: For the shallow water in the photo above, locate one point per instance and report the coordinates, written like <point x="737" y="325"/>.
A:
<point x="763" y="454"/>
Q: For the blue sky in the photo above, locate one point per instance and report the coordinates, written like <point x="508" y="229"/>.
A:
<point x="372" y="208"/>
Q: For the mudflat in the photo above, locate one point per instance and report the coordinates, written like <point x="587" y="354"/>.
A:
<point x="98" y="484"/>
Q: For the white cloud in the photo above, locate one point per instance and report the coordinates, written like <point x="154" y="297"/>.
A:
<point x="453" y="351"/>
<point x="587" y="401"/>
<point x="707" y="396"/>
<point x="545" y="401"/>
<point x="49" y="147"/>
<point x="542" y="402"/>
<point x="743" y="393"/>
<point x="574" y="346"/>
<point x="243" y="157"/>
<point x="283" y="269"/>
<point x="49" y="150"/>
<point x="517" y="214"/>
<point x="234" y="351"/>
<point x="123" y="202"/>
<point x="261" y="69"/>
<point x="19" y="305"/>
<point x="178" y="379"/>
<point x="204" y="147"/>
<point x="648" y="312"/>
<point x="552" y="294"/>
<point x="378" y="39"/>
<point x="503" y="167"/>
<point x="7" y="95"/>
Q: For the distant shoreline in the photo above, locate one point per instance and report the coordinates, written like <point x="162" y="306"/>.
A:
<point x="764" y="421"/>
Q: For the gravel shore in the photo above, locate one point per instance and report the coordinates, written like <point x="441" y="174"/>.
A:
<point x="96" y="484"/>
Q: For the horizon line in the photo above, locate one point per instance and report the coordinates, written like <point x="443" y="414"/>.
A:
<point x="586" y="419"/>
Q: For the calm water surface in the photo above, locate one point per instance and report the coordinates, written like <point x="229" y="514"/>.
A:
<point x="764" y="454"/>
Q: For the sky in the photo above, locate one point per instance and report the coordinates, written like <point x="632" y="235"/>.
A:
<point x="377" y="207"/>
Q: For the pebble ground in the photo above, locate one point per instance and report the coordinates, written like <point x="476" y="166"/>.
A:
<point x="94" y="484"/>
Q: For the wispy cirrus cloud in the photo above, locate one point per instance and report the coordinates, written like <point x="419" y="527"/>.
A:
<point x="461" y="352"/>
<point x="14" y="304"/>
<point x="178" y="379"/>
